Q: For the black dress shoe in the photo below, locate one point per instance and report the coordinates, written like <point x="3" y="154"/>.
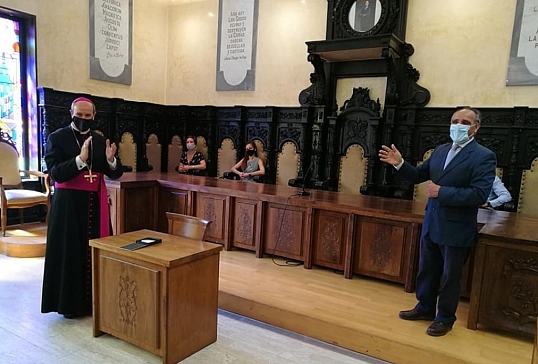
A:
<point x="438" y="329"/>
<point x="75" y="315"/>
<point x="416" y="315"/>
<point x="71" y="316"/>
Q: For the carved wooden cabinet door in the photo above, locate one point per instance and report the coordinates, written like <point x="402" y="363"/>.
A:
<point x="329" y="239"/>
<point x="386" y="249"/>
<point x="139" y="208"/>
<point x="246" y="224"/>
<point x="172" y="200"/>
<point x="216" y="210"/>
<point x="285" y="231"/>
<point x="509" y="289"/>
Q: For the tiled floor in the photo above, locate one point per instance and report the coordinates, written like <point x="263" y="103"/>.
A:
<point x="27" y="336"/>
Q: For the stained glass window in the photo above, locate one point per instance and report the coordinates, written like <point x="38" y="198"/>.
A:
<point x="18" y="83"/>
<point x="10" y="82"/>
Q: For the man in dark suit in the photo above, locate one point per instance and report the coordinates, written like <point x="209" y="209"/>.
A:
<point x="460" y="176"/>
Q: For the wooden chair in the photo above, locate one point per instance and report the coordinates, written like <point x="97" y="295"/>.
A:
<point x="12" y="195"/>
<point x="187" y="226"/>
<point x="528" y="200"/>
<point x="287" y="164"/>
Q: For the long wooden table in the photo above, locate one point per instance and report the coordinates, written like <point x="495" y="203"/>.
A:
<point x="359" y="234"/>
<point x="355" y="234"/>
<point x="163" y="298"/>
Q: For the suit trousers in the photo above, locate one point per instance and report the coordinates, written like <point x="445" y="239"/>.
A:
<point x="439" y="279"/>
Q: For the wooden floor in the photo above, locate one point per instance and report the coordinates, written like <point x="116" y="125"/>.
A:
<point x="359" y="314"/>
<point x="24" y="241"/>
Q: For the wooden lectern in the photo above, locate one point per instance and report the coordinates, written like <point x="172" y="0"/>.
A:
<point x="163" y="298"/>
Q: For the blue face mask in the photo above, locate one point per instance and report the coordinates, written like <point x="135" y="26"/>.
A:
<point x="459" y="133"/>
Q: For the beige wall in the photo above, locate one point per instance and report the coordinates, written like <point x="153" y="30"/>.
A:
<point x="27" y="6"/>
<point x="282" y="70"/>
<point x="462" y="51"/>
<point x="63" y="48"/>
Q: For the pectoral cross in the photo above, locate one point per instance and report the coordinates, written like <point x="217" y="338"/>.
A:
<point x="90" y="176"/>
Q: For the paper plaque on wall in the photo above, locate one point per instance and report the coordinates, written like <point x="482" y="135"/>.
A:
<point x="236" y="50"/>
<point x="111" y="30"/>
<point x="523" y="65"/>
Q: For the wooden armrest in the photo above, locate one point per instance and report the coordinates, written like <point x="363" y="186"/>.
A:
<point x="34" y="173"/>
<point x="45" y="177"/>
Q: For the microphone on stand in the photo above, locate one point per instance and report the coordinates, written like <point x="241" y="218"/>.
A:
<point x="302" y="192"/>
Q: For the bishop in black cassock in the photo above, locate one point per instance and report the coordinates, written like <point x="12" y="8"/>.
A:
<point x="74" y="219"/>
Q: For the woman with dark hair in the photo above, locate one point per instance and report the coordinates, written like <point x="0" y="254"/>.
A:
<point x="250" y="166"/>
<point x="191" y="161"/>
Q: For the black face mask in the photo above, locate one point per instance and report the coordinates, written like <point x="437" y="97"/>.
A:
<point x="82" y="124"/>
<point x="250" y="152"/>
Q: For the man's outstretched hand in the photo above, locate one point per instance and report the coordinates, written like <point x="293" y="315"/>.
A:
<point x="390" y="155"/>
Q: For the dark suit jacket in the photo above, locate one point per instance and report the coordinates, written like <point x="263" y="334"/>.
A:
<point x="450" y="219"/>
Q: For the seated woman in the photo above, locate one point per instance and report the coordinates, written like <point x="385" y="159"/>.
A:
<point x="250" y="166"/>
<point x="191" y="161"/>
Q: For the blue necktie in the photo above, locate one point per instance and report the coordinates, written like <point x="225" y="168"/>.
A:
<point x="451" y="154"/>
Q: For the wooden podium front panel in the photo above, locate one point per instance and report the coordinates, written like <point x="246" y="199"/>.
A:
<point x="246" y="224"/>
<point x="171" y="200"/>
<point x="284" y="231"/>
<point x="329" y="239"/>
<point x="214" y="208"/>
<point x="509" y="289"/>
<point x="381" y="248"/>
<point x="129" y="301"/>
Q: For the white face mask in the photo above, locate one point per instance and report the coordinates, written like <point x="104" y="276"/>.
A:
<point x="191" y="146"/>
<point x="459" y="133"/>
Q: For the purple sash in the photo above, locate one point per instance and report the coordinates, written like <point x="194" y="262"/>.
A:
<point x="82" y="182"/>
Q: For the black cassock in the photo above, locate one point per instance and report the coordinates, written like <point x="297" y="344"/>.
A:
<point x="73" y="220"/>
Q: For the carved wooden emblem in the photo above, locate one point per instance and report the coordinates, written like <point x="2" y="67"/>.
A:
<point x="381" y="248"/>
<point x="210" y="215"/>
<point x="285" y="233"/>
<point x="127" y="300"/>
<point x="522" y="277"/>
<point x="245" y="226"/>
<point x="330" y="239"/>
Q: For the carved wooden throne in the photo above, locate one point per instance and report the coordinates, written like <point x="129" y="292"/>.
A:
<point x="358" y="48"/>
